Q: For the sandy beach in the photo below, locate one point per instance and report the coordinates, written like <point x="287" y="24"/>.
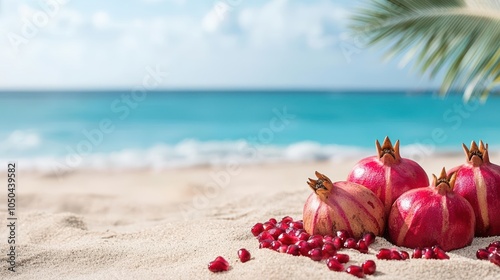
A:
<point x="169" y="224"/>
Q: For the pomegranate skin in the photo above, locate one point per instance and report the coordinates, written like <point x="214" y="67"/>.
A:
<point x="387" y="174"/>
<point x="431" y="216"/>
<point x="342" y="206"/>
<point x="478" y="181"/>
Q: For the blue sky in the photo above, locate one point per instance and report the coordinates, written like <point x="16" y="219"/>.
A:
<point x="201" y="44"/>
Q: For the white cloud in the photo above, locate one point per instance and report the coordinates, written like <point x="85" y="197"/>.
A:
<point x="101" y="20"/>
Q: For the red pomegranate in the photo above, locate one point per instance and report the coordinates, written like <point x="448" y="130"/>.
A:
<point x="387" y="174"/>
<point x="342" y="206"/>
<point x="436" y="215"/>
<point x="478" y="180"/>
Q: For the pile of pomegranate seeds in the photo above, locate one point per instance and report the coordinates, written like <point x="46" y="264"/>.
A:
<point x="434" y="252"/>
<point x="491" y="253"/>
<point x="218" y="265"/>
<point x="289" y="237"/>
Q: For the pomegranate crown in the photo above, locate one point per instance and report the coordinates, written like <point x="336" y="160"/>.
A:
<point x="477" y="155"/>
<point x="321" y="186"/>
<point x="444" y="183"/>
<point x="387" y="153"/>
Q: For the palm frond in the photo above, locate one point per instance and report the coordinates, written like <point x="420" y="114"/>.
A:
<point x="459" y="37"/>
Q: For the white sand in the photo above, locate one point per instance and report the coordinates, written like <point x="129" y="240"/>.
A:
<point x="161" y="225"/>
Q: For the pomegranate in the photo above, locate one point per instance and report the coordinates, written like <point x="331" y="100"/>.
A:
<point x="430" y="216"/>
<point x="342" y="206"/>
<point x="387" y="174"/>
<point x="478" y="180"/>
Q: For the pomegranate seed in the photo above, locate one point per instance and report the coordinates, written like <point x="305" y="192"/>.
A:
<point x="343" y="235"/>
<point x="495" y="244"/>
<point x="334" y="265"/>
<point x="327" y="238"/>
<point x="369" y="267"/>
<point x="304" y="247"/>
<point x="315" y="243"/>
<point x="296" y="225"/>
<point x="315" y="254"/>
<point x="221" y="259"/>
<point x="417" y="253"/>
<point x="341" y="258"/>
<point x="482" y="254"/>
<point x="218" y="265"/>
<point x="244" y="255"/>
<point x="362" y="247"/>
<point x="265" y="243"/>
<point x="428" y="253"/>
<point x="275" y="245"/>
<point x="404" y="255"/>
<point x="369" y="238"/>
<point x="283" y="248"/>
<point x="337" y="242"/>
<point x="282" y="225"/>
<point x="350" y="243"/>
<point x="328" y="249"/>
<point x="291" y="231"/>
<point x="273" y="221"/>
<point x="384" y="254"/>
<point x="356" y="271"/>
<point x="265" y="235"/>
<point x="439" y="253"/>
<point x="493" y="249"/>
<point x="395" y="255"/>
<point x="287" y="219"/>
<point x="268" y="226"/>
<point x="293" y="250"/>
<point x="257" y="229"/>
<point x="303" y="236"/>
<point x="286" y="239"/>
<point x="494" y="258"/>
<point x="275" y="232"/>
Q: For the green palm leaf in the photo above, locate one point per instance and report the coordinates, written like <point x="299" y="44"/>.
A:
<point x="459" y="37"/>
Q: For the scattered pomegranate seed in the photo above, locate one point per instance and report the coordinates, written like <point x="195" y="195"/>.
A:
<point x="343" y="235"/>
<point x="257" y="229"/>
<point x="275" y="245"/>
<point x="244" y="255"/>
<point x="273" y="221"/>
<point x="296" y="225"/>
<point x="439" y="253"/>
<point x="341" y="258"/>
<point x="218" y="265"/>
<point x="268" y="226"/>
<point x="362" y="247"/>
<point x="287" y="219"/>
<point x="328" y="238"/>
<point x="265" y="243"/>
<point x="328" y="249"/>
<point x="417" y="253"/>
<point x="493" y="249"/>
<point x="337" y="242"/>
<point x="293" y="250"/>
<point x="303" y="236"/>
<point x="315" y="254"/>
<point x="350" y="243"/>
<point x="283" y="248"/>
<point x="494" y="258"/>
<point x="428" y="253"/>
<point x="356" y="271"/>
<point x="334" y="265"/>
<point x="314" y="242"/>
<point x="265" y="235"/>
<point x="384" y="254"/>
<point x="482" y="254"/>
<point x="395" y="255"/>
<point x="275" y="232"/>
<point x="495" y="244"/>
<point x="369" y="238"/>
<point x="286" y="239"/>
<point x="404" y="255"/>
<point x="369" y="267"/>
<point x="282" y="225"/>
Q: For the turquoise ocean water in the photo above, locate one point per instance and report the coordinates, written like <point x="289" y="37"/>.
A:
<point x="118" y="129"/>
